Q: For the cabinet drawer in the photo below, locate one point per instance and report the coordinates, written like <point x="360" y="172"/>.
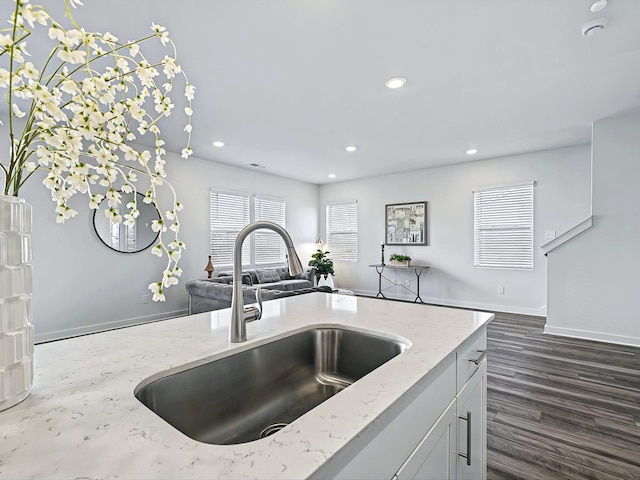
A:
<point x="469" y="357"/>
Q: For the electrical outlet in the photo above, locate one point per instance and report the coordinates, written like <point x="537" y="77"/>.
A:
<point x="549" y="234"/>
<point x="501" y="289"/>
<point x="145" y="298"/>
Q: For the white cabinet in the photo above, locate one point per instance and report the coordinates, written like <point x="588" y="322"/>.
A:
<point x="455" y="447"/>
<point x="472" y="426"/>
<point x="425" y="437"/>
<point x="435" y="458"/>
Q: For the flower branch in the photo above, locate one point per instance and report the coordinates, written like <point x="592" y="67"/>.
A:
<point x="80" y="117"/>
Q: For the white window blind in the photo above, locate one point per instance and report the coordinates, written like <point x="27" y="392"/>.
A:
<point x="503" y="227"/>
<point x="269" y="247"/>
<point x="229" y="213"/>
<point x="342" y="231"/>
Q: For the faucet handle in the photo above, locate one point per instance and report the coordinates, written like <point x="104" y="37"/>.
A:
<point x="251" y="314"/>
<point x="259" y="300"/>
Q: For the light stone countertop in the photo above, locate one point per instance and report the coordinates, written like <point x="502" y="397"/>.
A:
<point x="82" y="419"/>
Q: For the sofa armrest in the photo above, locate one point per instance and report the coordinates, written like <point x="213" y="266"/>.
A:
<point x="309" y="273"/>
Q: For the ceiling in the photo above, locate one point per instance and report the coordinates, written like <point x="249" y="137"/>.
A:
<point x="287" y="84"/>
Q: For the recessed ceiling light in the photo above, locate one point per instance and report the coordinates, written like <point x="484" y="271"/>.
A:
<point x="396" y="82"/>
<point x="218" y="144"/>
<point x="598" y="5"/>
<point x="351" y="148"/>
<point x="472" y="151"/>
<point x="332" y="175"/>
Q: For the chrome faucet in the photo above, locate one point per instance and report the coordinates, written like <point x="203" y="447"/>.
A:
<point x="239" y="314"/>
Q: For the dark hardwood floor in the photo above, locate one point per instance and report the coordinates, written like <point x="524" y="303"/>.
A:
<point x="559" y="407"/>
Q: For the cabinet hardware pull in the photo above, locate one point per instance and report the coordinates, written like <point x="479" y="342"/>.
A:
<point x="483" y="353"/>
<point x="468" y="454"/>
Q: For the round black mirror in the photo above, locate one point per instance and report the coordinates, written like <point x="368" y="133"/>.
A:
<point x="126" y="238"/>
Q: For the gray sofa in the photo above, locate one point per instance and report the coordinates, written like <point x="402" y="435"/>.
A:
<point x="215" y="293"/>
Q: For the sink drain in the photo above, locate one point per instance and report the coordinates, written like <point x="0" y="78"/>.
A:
<point x="271" y="429"/>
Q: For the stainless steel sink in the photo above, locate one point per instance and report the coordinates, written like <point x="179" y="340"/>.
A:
<point x="254" y="393"/>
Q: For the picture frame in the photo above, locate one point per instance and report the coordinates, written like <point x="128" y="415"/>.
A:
<point x="406" y="223"/>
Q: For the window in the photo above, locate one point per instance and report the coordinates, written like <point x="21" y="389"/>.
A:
<point x="342" y="231"/>
<point x="269" y="247"/>
<point x="230" y="212"/>
<point x="503" y="227"/>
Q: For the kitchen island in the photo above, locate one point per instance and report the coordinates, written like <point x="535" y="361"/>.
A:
<point x="82" y="419"/>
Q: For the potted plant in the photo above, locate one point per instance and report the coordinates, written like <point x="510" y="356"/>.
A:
<point x="322" y="263"/>
<point x="399" y="260"/>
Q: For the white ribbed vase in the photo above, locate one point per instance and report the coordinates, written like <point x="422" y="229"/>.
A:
<point x="16" y="330"/>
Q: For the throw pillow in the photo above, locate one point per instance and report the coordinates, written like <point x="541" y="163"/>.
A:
<point x="267" y="276"/>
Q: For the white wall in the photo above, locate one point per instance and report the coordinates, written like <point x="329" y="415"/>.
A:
<point x="82" y="286"/>
<point x="561" y="196"/>
<point x="594" y="279"/>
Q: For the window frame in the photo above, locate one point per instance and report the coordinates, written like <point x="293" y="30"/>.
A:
<point x="250" y="256"/>
<point x="336" y="253"/>
<point x="503" y="231"/>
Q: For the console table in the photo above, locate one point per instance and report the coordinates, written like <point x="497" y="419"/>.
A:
<point x="417" y="269"/>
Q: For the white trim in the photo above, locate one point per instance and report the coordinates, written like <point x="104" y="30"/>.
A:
<point x="341" y="202"/>
<point x="229" y="192"/>
<point x="500" y="187"/>
<point x="568" y="235"/>
<point x="102" y="327"/>
<point x="590" y="335"/>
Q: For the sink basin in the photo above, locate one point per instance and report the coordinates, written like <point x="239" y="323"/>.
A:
<point x="254" y="393"/>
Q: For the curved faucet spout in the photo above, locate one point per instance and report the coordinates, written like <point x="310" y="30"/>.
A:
<point x="239" y="314"/>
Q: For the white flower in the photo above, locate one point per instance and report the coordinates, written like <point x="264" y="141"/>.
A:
<point x="95" y="97"/>
<point x="56" y="33"/>
<point x="170" y="280"/>
<point x="158" y="297"/>
<point x="134" y="49"/>
<point x="189" y="91"/>
<point x="113" y="198"/>
<point x="29" y="71"/>
<point x="64" y="213"/>
<point x="109" y="38"/>
<point x="16" y="111"/>
<point x="158" y="225"/>
<point x="94" y="203"/>
<point x="71" y="56"/>
<point x="4" y="78"/>
<point x="72" y="38"/>
<point x="156" y="288"/>
<point x="113" y="215"/>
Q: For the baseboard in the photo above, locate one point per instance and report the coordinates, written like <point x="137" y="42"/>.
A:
<point x="595" y="336"/>
<point x="486" y="307"/>
<point x="101" y="327"/>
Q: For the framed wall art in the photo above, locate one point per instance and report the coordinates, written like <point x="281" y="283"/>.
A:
<point x="406" y="223"/>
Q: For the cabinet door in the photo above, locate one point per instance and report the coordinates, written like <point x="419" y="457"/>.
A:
<point x="472" y="426"/>
<point x="435" y="457"/>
